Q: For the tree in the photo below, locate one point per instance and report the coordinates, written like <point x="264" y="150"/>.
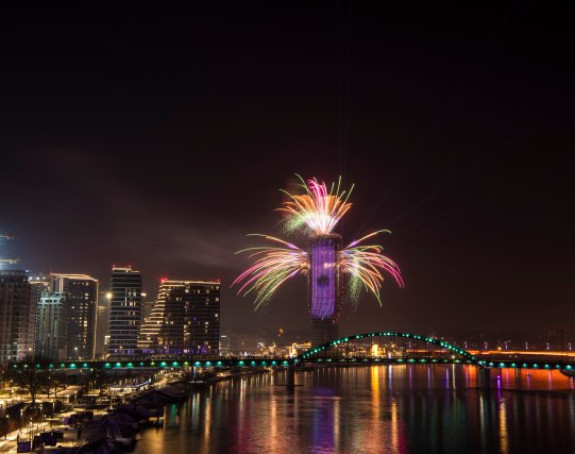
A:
<point x="56" y="381"/>
<point x="25" y="375"/>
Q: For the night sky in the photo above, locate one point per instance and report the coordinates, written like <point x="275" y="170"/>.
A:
<point x="158" y="137"/>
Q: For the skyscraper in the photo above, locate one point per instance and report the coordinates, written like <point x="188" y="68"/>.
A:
<point x="17" y="311"/>
<point x="81" y="293"/>
<point x="125" y="311"/>
<point x="102" y="328"/>
<point x="324" y="291"/>
<point x="39" y="285"/>
<point x="185" y="319"/>
<point x="51" y="326"/>
<point x="204" y="318"/>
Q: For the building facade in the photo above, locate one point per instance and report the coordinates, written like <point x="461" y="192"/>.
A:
<point x="81" y="292"/>
<point x="185" y="319"/>
<point x="125" y="311"/>
<point x="17" y="314"/>
<point x="51" y="326"/>
<point x="324" y="288"/>
<point x="102" y="328"/>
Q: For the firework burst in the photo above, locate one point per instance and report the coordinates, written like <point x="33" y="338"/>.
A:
<point x="316" y="211"/>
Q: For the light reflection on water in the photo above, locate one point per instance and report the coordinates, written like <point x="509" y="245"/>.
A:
<point x="388" y="409"/>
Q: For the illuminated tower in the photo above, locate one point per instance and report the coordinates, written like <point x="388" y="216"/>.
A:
<point x="125" y="311"/>
<point x="324" y="288"/>
<point x="81" y="293"/>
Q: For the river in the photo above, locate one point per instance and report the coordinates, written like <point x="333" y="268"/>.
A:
<point x="374" y="409"/>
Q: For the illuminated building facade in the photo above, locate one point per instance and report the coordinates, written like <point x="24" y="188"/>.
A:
<point x="17" y="314"/>
<point x="81" y="293"/>
<point x="125" y="311"/>
<point x="324" y="288"/>
<point x="51" y="326"/>
<point x="185" y="319"/>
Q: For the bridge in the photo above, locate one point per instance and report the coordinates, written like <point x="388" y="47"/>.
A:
<point x="322" y="354"/>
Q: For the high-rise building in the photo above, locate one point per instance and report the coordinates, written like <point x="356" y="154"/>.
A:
<point x="125" y="311"/>
<point x="81" y="312"/>
<point x="185" y="319"/>
<point x="103" y="315"/>
<point x="39" y="284"/>
<point x="324" y="288"/>
<point x="51" y="326"/>
<point x="17" y="311"/>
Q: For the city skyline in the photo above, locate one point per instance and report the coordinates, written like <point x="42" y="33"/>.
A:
<point x="124" y="147"/>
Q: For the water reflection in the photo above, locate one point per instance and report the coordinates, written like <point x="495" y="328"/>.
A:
<point x="388" y="409"/>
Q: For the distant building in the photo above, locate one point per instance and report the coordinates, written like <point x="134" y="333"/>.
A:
<point x="102" y="316"/>
<point x="185" y="319"/>
<point x="39" y="285"/>
<point x="51" y="325"/>
<point x="17" y="310"/>
<point x="147" y="307"/>
<point x="81" y="293"/>
<point x="125" y="311"/>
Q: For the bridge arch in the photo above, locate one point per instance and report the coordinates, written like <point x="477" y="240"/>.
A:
<point x="315" y="351"/>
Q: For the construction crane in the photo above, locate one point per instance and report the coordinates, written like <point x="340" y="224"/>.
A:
<point x="7" y="236"/>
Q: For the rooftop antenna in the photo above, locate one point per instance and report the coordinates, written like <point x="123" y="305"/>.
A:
<point x="7" y="236"/>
